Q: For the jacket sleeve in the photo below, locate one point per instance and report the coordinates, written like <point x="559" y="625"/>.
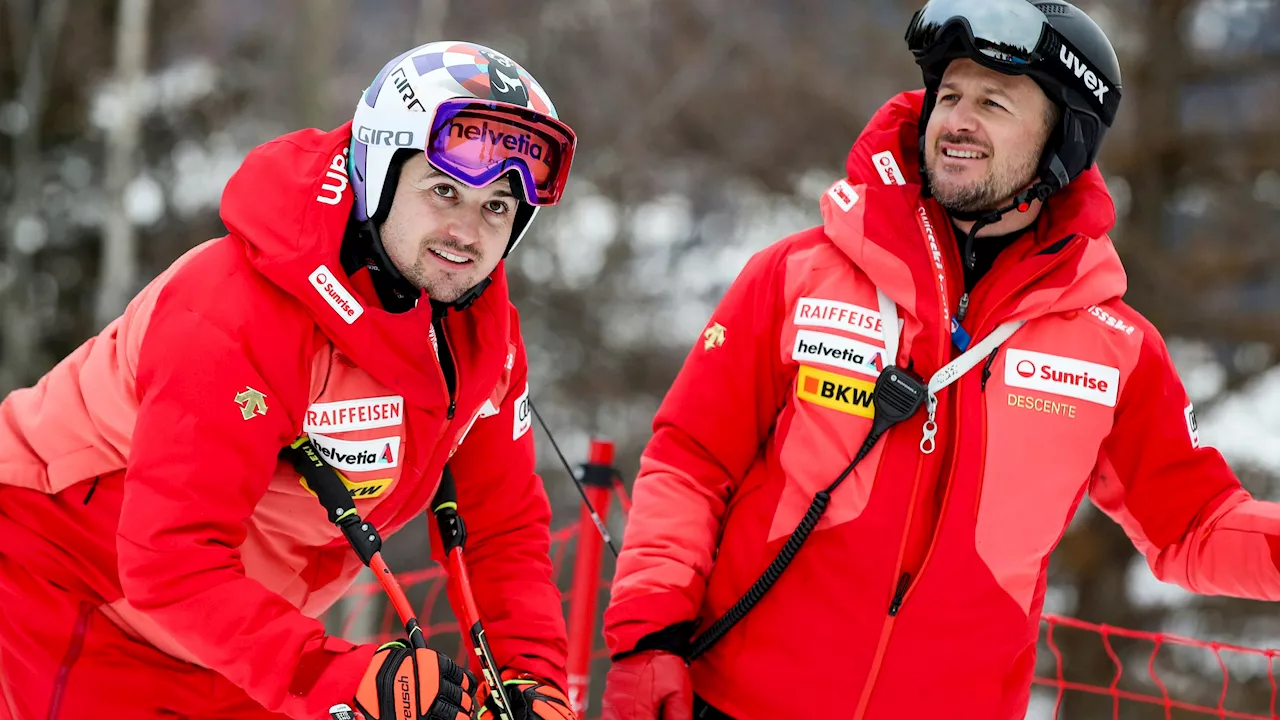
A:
<point x="707" y="433"/>
<point x="198" y="467"/>
<point x="508" y="519"/>
<point x="1180" y="503"/>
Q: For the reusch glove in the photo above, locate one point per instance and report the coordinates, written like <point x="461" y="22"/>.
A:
<point x="404" y="683"/>
<point x="648" y="685"/>
<point x="529" y="698"/>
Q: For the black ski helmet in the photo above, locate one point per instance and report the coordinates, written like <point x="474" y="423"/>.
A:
<point x="1051" y="41"/>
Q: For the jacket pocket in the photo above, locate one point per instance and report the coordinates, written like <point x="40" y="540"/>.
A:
<point x="821" y="431"/>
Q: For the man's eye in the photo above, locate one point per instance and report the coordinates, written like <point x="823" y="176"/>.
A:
<point x="498" y="207"/>
<point x="445" y="191"/>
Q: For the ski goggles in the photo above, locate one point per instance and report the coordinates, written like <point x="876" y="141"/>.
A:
<point x="478" y="141"/>
<point x="1010" y="34"/>
<point x="1013" y="37"/>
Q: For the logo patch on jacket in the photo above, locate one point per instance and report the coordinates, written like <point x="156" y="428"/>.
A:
<point x="1069" y="377"/>
<point x="523" y="415"/>
<point x="251" y="402"/>
<point x="887" y="166"/>
<point x="336" y="179"/>
<point x="334" y="293"/>
<point x="1110" y="320"/>
<point x="359" y="490"/>
<point x="843" y="195"/>
<point x="819" y="312"/>
<point x="837" y="392"/>
<point x="837" y="351"/>
<point x="486" y="410"/>
<point x="713" y="337"/>
<point x="358" y="455"/>
<point x="361" y="414"/>
<point x="1193" y="426"/>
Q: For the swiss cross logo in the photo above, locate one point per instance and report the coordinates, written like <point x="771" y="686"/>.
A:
<point x="843" y="195"/>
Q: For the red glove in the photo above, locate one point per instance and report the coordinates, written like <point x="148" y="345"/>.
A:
<point x="649" y="685"/>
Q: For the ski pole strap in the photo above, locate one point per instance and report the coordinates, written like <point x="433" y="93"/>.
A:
<point x="329" y="489"/>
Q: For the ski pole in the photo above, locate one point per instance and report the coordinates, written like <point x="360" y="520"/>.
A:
<point x="363" y="537"/>
<point x="595" y="517"/>
<point x="453" y="536"/>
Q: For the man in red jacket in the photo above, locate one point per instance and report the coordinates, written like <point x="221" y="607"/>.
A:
<point x="161" y="560"/>
<point x="871" y="452"/>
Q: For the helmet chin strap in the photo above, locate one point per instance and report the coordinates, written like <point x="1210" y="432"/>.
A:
<point x="983" y="218"/>
<point x="396" y="293"/>
<point x="1053" y="176"/>
<point x="465" y="299"/>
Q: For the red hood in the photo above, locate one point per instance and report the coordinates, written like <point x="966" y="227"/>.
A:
<point x="1040" y="275"/>
<point x="289" y="203"/>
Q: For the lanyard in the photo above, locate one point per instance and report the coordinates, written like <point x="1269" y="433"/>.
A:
<point x="950" y="372"/>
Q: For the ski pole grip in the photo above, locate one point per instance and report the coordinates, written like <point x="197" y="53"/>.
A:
<point x="334" y="497"/>
<point x="321" y="479"/>
<point x="453" y="532"/>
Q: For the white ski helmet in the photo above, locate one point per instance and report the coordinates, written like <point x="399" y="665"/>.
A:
<point x="478" y="116"/>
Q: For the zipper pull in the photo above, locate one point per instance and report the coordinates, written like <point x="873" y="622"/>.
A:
<point x="927" y="444"/>
<point x="964" y="307"/>
<point x="986" y="369"/>
<point x="904" y="582"/>
<point x="453" y="407"/>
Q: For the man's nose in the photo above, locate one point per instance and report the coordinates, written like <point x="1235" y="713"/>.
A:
<point x="962" y="120"/>
<point x="463" y="227"/>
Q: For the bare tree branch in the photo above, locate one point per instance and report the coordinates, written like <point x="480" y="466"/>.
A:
<point x="119" y="273"/>
<point x="20" y="334"/>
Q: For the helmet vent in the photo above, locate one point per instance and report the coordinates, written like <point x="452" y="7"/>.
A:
<point x="1053" y="8"/>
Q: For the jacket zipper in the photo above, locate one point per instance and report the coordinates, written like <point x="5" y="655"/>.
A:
<point x="905" y="586"/>
<point x="986" y="368"/>
<point x="89" y="495"/>
<point x="906" y="583"/>
<point x="453" y="362"/>
<point x="73" y="654"/>
<point x="442" y="338"/>
<point x="905" y="592"/>
<point x="955" y="419"/>
<point x="904" y="579"/>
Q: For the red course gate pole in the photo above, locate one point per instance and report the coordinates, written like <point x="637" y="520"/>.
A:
<point x="597" y="482"/>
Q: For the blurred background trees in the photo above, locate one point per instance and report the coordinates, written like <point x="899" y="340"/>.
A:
<point x="708" y="128"/>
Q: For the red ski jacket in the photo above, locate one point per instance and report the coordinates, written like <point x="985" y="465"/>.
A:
<point x="922" y="560"/>
<point x="143" y="468"/>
